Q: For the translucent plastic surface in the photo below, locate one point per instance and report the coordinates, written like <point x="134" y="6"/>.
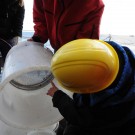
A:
<point x="27" y="63"/>
<point x="47" y="132"/>
<point x="9" y="130"/>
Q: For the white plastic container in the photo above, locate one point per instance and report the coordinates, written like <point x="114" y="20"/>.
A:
<point x="23" y="107"/>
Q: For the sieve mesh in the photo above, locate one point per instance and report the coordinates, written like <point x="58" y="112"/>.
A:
<point x="32" y="80"/>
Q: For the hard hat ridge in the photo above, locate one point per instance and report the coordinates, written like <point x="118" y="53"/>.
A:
<point x="85" y="65"/>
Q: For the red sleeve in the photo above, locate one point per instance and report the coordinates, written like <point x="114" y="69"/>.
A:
<point x="39" y="20"/>
<point x="91" y="26"/>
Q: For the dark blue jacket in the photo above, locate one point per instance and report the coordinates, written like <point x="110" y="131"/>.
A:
<point x="108" y="112"/>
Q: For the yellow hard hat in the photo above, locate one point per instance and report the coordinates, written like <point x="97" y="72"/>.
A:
<point x="85" y="65"/>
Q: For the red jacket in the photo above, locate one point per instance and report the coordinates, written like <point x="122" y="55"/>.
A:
<point x="62" y="21"/>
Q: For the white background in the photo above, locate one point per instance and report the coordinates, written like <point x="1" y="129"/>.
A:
<point x="118" y="17"/>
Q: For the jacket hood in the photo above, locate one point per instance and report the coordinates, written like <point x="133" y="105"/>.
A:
<point x="121" y="89"/>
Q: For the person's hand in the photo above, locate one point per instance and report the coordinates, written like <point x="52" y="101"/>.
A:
<point x="35" y="39"/>
<point x="52" y="90"/>
<point x="30" y="39"/>
<point x="15" y="40"/>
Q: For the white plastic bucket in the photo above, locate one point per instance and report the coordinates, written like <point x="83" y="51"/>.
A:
<point x="20" y="108"/>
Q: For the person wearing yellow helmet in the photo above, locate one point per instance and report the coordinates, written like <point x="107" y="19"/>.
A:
<point x="109" y="109"/>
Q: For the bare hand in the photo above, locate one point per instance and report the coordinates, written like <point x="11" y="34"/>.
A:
<point x="30" y="39"/>
<point x="52" y="90"/>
